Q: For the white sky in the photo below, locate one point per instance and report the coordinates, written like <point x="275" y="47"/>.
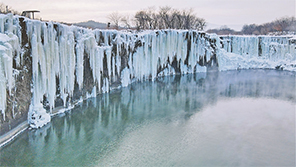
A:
<point x="233" y="13"/>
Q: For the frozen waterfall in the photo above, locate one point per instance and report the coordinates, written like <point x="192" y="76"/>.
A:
<point x="69" y="63"/>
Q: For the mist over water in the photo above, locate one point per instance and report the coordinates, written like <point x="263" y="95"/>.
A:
<point x="233" y="118"/>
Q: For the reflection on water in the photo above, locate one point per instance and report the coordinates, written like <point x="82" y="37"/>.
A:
<point x="229" y="118"/>
<point x="238" y="132"/>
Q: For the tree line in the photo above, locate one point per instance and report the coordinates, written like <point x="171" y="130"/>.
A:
<point x="163" y="18"/>
<point x="280" y="26"/>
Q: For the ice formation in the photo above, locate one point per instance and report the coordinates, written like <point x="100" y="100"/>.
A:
<point x="9" y="45"/>
<point x="63" y="56"/>
<point x="245" y="52"/>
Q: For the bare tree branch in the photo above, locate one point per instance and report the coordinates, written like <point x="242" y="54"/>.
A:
<point x="115" y="18"/>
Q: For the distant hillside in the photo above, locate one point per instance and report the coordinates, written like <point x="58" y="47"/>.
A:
<point x="91" y="24"/>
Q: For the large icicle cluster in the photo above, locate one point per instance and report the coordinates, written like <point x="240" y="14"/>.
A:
<point x="9" y="46"/>
<point x="71" y="63"/>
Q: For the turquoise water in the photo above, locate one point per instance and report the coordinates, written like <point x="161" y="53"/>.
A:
<point x="234" y="118"/>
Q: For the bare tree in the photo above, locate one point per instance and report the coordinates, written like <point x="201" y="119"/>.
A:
<point x="284" y="24"/>
<point x="165" y="17"/>
<point x="151" y="18"/>
<point x="141" y="19"/>
<point x="176" y="19"/>
<point x="126" y="21"/>
<point x="115" y="18"/>
<point x="292" y="25"/>
<point x="200" y="24"/>
<point x="187" y="19"/>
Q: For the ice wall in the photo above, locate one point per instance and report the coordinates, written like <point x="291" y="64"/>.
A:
<point x="245" y="52"/>
<point x="67" y="64"/>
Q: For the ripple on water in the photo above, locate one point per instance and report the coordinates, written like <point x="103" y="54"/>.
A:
<point x="243" y="132"/>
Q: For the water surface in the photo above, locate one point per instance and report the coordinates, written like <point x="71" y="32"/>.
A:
<point x="234" y="118"/>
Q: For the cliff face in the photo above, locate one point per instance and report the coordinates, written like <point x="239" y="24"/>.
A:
<point x="45" y="65"/>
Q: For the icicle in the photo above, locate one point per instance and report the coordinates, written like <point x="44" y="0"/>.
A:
<point x="109" y="55"/>
<point x="79" y="65"/>
<point x="125" y="77"/>
<point x="113" y="68"/>
<point x="2" y="83"/>
<point x="105" y="88"/>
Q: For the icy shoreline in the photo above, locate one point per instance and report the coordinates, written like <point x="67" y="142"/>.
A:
<point x="68" y="63"/>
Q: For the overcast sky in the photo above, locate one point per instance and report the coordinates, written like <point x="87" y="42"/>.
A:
<point x="233" y="13"/>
